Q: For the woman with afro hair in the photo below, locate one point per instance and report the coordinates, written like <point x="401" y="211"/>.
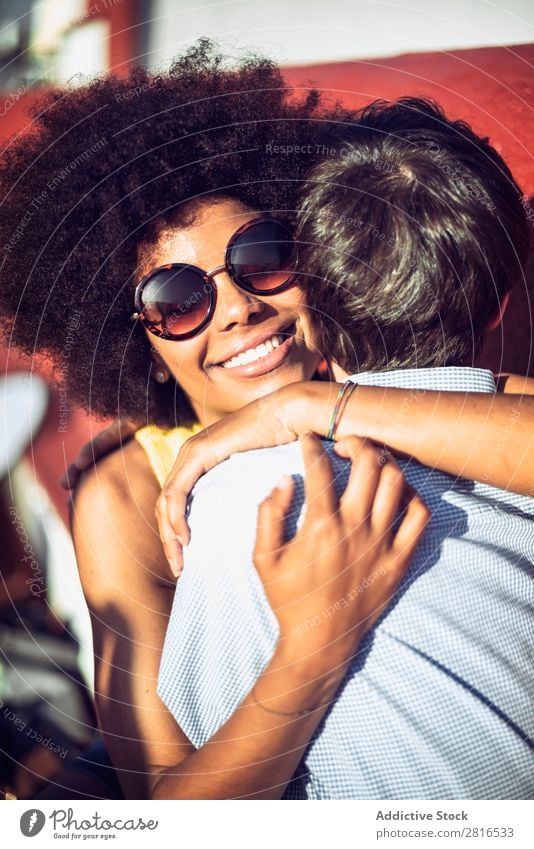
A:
<point x="195" y="173"/>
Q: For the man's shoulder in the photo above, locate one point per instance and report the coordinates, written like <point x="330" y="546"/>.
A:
<point x="225" y="501"/>
<point x="252" y="467"/>
<point x="257" y="471"/>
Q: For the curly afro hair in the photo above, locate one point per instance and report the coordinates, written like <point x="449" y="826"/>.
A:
<point x="104" y="169"/>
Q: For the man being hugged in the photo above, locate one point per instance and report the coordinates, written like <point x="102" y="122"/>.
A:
<point x="437" y="701"/>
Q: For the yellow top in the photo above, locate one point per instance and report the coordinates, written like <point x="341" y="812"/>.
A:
<point x="162" y="446"/>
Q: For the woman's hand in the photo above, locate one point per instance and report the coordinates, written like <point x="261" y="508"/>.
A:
<point x="331" y="582"/>
<point x="268" y="421"/>
<point x="104" y="443"/>
<point x="326" y="586"/>
<point x="454" y="432"/>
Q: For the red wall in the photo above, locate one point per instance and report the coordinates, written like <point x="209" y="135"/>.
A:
<point x="492" y="88"/>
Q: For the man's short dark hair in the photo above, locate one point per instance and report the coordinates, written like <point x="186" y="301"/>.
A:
<point x="418" y="226"/>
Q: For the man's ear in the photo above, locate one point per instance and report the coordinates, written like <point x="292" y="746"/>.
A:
<point x="496" y="319"/>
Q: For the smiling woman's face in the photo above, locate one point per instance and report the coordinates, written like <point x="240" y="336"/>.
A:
<point x="276" y="331"/>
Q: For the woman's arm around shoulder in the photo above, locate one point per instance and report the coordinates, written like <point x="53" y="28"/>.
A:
<point x="125" y="580"/>
<point x="515" y="384"/>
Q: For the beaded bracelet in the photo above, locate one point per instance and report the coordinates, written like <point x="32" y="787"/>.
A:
<point x="341" y="402"/>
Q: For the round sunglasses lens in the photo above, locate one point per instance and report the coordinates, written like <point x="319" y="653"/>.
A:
<point x="176" y="301"/>
<point x="263" y="256"/>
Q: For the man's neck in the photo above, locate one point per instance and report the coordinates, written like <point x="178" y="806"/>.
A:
<point x="340" y="375"/>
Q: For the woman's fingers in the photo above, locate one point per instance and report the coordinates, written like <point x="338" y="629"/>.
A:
<point x="256" y="425"/>
<point x="194" y="460"/>
<point x="377" y="489"/>
<point x="321" y="498"/>
<point x="270" y="527"/>
<point x="359" y="495"/>
<point x="174" y="505"/>
<point x="171" y="545"/>
<point x="198" y="455"/>
<point x="416" y="518"/>
<point x="388" y="497"/>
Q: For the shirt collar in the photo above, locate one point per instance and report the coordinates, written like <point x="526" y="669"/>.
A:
<point x="447" y="378"/>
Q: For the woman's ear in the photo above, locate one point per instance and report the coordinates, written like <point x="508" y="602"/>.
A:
<point x="496" y="319"/>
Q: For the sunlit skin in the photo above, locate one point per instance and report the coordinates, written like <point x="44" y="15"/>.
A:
<point x="241" y="321"/>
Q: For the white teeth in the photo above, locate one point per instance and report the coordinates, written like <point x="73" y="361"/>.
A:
<point x="254" y="353"/>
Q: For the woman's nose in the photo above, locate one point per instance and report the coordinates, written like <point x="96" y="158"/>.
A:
<point x="235" y="306"/>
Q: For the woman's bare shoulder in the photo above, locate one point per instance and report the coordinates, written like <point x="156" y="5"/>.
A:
<point x="114" y="527"/>
<point x="123" y="474"/>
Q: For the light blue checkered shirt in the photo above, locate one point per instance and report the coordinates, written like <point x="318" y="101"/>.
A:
<point x="438" y="703"/>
